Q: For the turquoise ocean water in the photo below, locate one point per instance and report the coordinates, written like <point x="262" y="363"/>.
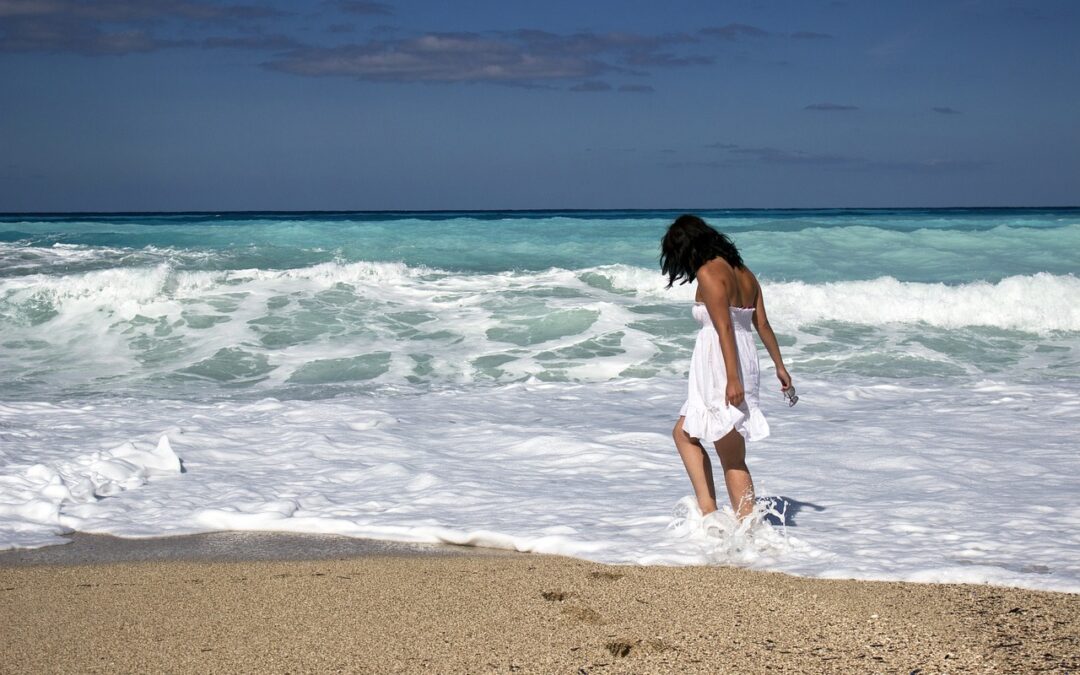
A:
<point x="315" y="304"/>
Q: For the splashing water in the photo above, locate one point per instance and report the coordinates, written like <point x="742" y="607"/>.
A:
<point x="729" y="539"/>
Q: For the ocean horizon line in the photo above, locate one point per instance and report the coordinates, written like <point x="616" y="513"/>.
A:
<point x="547" y="211"/>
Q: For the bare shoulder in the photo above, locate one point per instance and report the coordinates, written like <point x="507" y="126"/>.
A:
<point x="751" y="276"/>
<point x="716" y="280"/>
<point x="716" y="270"/>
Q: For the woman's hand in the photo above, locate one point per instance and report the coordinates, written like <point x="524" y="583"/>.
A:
<point x="734" y="394"/>
<point x="784" y="377"/>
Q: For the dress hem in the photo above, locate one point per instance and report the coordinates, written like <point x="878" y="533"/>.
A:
<point x="712" y="424"/>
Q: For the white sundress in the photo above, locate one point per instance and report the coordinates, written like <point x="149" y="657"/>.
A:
<point x="708" y="419"/>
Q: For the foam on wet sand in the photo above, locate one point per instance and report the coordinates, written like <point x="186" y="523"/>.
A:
<point x="895" y="482"/>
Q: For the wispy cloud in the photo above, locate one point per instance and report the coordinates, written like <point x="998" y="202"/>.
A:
<point x="133" y="10"/>
<point x="772" y="155"/>
<point x="945" y="110"/>
<point x="697" y="164"/>
<point x="934" y="164"/>
<point x="591" y="85"/>
<point x="831" y="107"/>
<point x="359" y="7"/>
<point x="734" y="31"/>
<point x="437" y="57"/>
<point x="110" y="26"/>
<point x="523" y="56"/>
<point x="600" y="85"/>
<point x="646" y="59"/>
<point x="734" y="155"/>
<point x="67" y="35"/>
<point x="257" y="42"/>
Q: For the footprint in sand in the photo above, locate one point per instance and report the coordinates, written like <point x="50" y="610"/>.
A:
<point x="624" y="648"/>
<point x="606" y="576"/>
<point x="582" y="614"/>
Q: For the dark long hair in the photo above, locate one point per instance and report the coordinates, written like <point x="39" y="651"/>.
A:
<point x="688" y="244"/>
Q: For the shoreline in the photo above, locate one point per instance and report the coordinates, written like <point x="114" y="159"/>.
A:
<point x="421" y="608"/>
<point x="225" y="546"/>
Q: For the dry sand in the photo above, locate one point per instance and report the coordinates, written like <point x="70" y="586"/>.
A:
<point x="519" y="613"/>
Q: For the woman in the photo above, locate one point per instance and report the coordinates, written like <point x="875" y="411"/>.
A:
<point x="722" y="402"/>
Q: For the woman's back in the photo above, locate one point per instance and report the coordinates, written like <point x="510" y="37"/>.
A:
<point x="742" y="284"/>
<point x="745" y="289"/>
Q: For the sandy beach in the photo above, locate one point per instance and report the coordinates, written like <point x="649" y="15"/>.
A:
<point x="477" y="612"/>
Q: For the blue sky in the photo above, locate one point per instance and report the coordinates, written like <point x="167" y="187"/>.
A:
<point x="263" y="105"/>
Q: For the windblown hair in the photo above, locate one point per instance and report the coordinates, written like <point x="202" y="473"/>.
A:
<point x="690" y="243"/>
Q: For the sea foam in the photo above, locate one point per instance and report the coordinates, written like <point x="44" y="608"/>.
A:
<point x="281" y="332"/>
<point x="1036" y="303"/>
<point x="40" y="502"/>
<point x="867" y="481"/>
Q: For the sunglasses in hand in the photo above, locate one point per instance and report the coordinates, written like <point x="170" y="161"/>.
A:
<point x="791" y="396"/>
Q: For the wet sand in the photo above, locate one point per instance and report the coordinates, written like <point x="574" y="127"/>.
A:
<point x="446" y="609"/>
<point x="222" y="547"/>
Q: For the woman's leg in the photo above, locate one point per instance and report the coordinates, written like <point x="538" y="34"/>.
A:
<point x="740" y="487"/>
<point x="698" y="467"/>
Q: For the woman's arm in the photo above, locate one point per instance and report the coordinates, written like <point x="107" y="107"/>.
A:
<point x="768" y="337"/>
<point x="715" y="281"/>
